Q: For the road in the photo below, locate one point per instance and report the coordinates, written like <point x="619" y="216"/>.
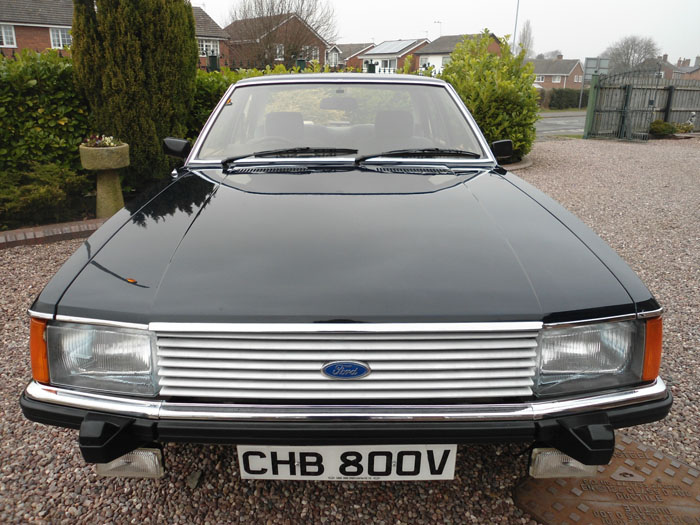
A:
<point x="560" y="123"/>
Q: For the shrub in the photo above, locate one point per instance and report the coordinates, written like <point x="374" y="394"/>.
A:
<point x="685" y="127"/>
<point x="567" y="98"/>
<point x="497" y="90"/>
<point x="136" y="61"/>
<point x="43" y="118"/>
<point x="661" y="128"/>
<point x="43" y="194"/>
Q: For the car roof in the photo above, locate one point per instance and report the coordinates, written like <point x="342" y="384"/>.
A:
<point x="341" y="77"/>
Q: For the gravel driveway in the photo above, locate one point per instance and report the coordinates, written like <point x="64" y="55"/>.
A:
<point x="643" y="199"/>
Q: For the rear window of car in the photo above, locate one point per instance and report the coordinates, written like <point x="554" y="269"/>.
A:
<point x="371" y="118"/>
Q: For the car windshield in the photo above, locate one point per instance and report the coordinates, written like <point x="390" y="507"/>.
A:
<point x="370" y="118"/>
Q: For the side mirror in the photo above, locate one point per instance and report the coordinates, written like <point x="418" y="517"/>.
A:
<point x="179" y="148"/>
<point x="502" y="149"/>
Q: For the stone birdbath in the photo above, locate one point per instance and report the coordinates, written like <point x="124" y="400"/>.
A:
<point x="99" y="155"/>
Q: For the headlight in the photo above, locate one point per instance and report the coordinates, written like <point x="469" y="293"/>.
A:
<point x="590" y="357"/>
<point x="101" y="358"/>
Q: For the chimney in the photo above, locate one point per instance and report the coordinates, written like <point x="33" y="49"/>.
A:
<point x="697" y="61"/>
<point x="665" y="57"/>
<point x="680" y="62"/>
<point x="686" y="62"/>
<point x="559" y="57"/>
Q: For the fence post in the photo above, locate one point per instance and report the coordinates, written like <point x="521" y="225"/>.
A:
<point x="669" y="102"/>
<point x="624" y="118"/>
<point x="590" y="110"/>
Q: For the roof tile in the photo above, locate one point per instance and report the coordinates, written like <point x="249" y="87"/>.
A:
<point x="556" y="66"/>
<point x="37" y="12"/>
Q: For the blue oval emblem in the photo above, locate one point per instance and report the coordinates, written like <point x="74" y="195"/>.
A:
<point x="345" y="370"/>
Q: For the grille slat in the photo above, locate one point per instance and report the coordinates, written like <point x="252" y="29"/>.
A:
<point x="433" y="361"/>
<point x="377" y="365"/>
<point x="223" y="344"/>
<point x="204" y="374"/>
<point x="345" y="385"/>
<point x="322" y="395"/>
<point x="349" y="336"/>
<point x="323" y="357"/>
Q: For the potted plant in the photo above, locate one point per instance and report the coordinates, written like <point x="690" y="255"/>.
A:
<point x="106" y="155"/>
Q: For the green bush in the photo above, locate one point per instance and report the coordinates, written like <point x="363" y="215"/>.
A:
<point x="567" y="98"/>
<point x="45" y="193"/>
<point x="43" y="118"/>
<point x="497" y="90"/>
<point x="685" y="127"/>
<point x="661" y="128"/>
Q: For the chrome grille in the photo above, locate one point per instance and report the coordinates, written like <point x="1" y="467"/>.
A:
<point x="408" y="361"/>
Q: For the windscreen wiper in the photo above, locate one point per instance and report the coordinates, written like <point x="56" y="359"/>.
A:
<point x="292" y="152"/>
<point x="420" y="152"/>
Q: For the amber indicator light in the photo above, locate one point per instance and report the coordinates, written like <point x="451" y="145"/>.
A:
<point x="37" y="349"/>
<point x="652" y="349"/>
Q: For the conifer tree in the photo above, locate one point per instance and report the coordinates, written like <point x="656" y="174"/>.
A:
<point x="136" y="61"/>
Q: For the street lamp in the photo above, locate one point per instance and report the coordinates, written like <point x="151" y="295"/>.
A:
<point x="515" y="29"/>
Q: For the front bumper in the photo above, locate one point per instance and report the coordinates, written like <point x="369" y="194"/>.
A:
<point x="110" y="426"/>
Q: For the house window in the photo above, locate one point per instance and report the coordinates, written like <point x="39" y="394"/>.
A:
<point x="7" y="36"/>
<point x="539" y="78"/>
<point x="333" y="58"/>
<point x="388" y="63"/>
<point x="578" y="78"/>
<point x="423" y="63"/>
<point x="556" y="79"/>
<point x="445" y="61"/>
<point x="310" y="52"/>
<point x="208" y="47"/>
<point x="279" y="51"/>
<point x="60" y="37"/>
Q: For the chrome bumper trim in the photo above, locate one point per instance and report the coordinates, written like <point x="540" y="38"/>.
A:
<point x="650" y="313"/>
<point x="529" y="411"/>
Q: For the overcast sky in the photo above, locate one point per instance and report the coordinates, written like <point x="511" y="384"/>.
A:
<point x="578" y="28"/>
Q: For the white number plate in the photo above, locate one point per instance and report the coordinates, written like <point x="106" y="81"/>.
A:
<point x="349" y="463"/>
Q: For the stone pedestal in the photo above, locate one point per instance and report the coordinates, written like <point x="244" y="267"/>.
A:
<point x="106" y="161"/>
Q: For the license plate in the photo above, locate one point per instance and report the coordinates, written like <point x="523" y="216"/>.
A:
<point x="348" y="463"/>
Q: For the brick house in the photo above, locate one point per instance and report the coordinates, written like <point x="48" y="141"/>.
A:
<point x="391" y="55"/>
<point x="687" y="71"/>
<point x="662" y="64"/>
<point x="211" y="39"/>
<point x="46" y="24"/>
<point x="349" y="54"/>
<point x="557" y="73"/>
<point x="437" y="53"/>
<point x="277" y="39"/>
<point x="34" y="24"/>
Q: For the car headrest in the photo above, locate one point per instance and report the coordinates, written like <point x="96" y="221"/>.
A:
<point x="393" y="124"/>
<point x="287" y="124"/>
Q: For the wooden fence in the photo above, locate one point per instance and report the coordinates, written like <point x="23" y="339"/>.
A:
<point x="623" y="106"/>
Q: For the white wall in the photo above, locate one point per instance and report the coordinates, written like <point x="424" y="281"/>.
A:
<point x="435" y="61"/>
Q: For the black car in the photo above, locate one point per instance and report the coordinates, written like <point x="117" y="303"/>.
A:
<point x="342" y="281"/>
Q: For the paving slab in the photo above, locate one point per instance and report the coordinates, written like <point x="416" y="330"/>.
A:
<point x="49" y="233"/>
<point x="640" y="486"/>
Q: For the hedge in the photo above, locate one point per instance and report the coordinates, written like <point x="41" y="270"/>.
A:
<point x="565" y="98"/>
<point x="43" y="118"/>
<point x="43" y="121"/>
